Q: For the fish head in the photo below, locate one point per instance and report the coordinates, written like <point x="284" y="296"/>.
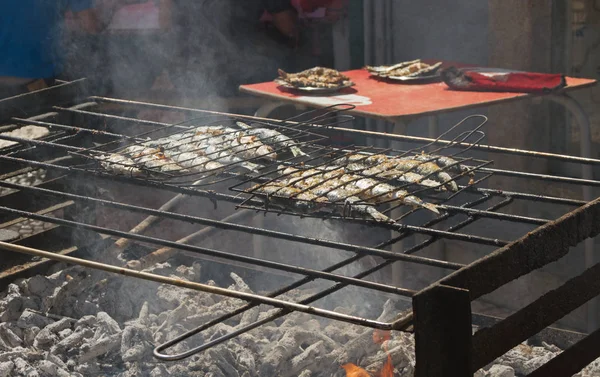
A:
<point x="267" y="152"/>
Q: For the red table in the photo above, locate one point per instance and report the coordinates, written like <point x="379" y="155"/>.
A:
<point x="392" y="101"/>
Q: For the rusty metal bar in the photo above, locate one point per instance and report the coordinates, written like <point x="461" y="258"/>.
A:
<point x="442" y="332"/>
<point x="249" y="297"/>
<point x="544" y="245"/>
<point x="572" y="360"/>
<point x="492" y="342"/>
<point x="417" y="139"/>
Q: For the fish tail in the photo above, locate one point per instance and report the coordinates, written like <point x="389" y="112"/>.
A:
<point x="414" y="201"/>
<point x="378" y="216"/>
<point x="251" y="166"/>
<point x="297" y="151"/>
<point x="242" y="125"/>
<point x="447" y="180"/>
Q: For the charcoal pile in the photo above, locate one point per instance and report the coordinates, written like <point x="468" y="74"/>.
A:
<point x="77" y="322"/>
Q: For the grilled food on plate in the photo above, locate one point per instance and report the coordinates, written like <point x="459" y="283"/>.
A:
<point x="317" y="77"/>
<point x="411" y="69"/>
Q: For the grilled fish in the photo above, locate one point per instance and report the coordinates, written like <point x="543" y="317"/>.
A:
<point x="367" y="189"/>
<point x="269" y="136"/>
<point x="443" y="161"/>
<point x="388" y="171"/>
<point x="152" y="159"/>
<point x="403" y="165"/>
<point x="317" y="77"/>
<point x="119" y="164"/>
<point x="407" y="69"/>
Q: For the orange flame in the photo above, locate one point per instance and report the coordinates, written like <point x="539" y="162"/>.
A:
<point x="388" y="367"/>
<point x="380" y="336"/>
<point x="355" y="371"/>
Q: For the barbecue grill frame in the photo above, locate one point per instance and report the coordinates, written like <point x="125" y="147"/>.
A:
<point x="545" y="244"/>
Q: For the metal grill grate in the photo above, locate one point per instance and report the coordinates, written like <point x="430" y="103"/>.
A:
<point x="67" y="152"/>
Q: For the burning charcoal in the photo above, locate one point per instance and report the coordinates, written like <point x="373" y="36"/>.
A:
<point x="335" y="332"/>
<point x="50" y="369"/>
<point x="179" y="370"/>
<point x="87" y="369"/>
<point x="45" y="339"/>
<point x="240" y="284"/>
<point x="132" y="370"/>
<point x="218" y="330"/>
<point x="171" y="297"/>
<point x="10" y="308"/>
<point x="307" y="357"/>
<point x="159" y="371"/>
<point x="245" y="358"/>
<point x="101" y="347"/>
<point x="56" y="360"/>
<point x="214" y="371"/>
<point x="29" y="335"/>
<point x="285" y="348"/>
<point x="189" y="273"/>
<point x="533" y="364"/>
<point x="72" y="341"/>
<point x="11" y="334"/>
<point x="38" y="286"/>
<point x="176" y="316"/>
<point x="86" y="321"/>
<point x="31" y="319"/>
<point x="135" y="343"/>
<point x="107" y="323"/>
<point x="64" y="333"/>
<point x="222" y="357"/>
<point x="24" y="369"/>
<point x="305" y="373"/>
<point x="500" y="371"/>
<point x="249" y="317"/>
<point x="551" y="347"/>
<point x="4" y="346"/>
<point x="6" y="368"/>
<point x="144" y="316"/>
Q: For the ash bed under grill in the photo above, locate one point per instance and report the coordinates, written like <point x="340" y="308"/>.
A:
<point x="332" y="252"/>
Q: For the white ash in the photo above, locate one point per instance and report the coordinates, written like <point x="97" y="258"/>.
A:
<point x="27" y="227"/>
<point x="78" y="322"/>
<point x="26" y="132"/>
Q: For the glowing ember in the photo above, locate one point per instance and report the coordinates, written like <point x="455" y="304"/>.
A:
<point x="388" y="368"/>
<point x="355" y="371"/>
<point x="380" y="336"/>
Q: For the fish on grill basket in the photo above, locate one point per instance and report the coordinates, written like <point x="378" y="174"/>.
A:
<point x="337" y="185"/>
<point x="367" y="189"/>
<point x="401" y="164"/>
<point x="221" y="147"/>
<point x="388" y="171"/>
<point x="269" y="136"/>
<point x="413" y="68"/>
<point x="119" y="164"/>
<point x="317" y="77"/>
<point x="308" y="201"/>
<point x="152" y="159"/>
<point x="443" y="161"/>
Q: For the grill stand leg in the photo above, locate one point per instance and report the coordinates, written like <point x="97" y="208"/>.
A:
<point x="438" y="247"/>
<point x="585" y="145"/>
<point x="397" y="269"/>
<point x="443" y="333"/>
